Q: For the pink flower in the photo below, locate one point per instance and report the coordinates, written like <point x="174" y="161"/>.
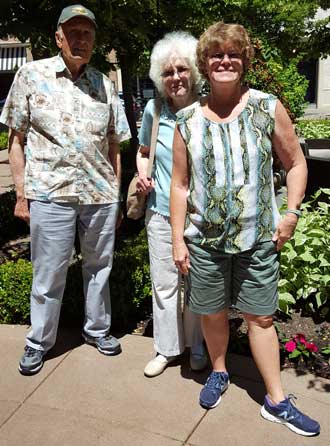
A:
<point x="300" y="337"/>
<point x="290" y="346"/>
<point x="311" y="347"/>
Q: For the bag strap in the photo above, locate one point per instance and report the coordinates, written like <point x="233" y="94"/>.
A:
<point x="154" y="134"/>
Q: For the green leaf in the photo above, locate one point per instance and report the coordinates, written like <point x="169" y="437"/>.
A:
<point x="294" y="354"/>
<point x="307" y="257"/>
<point x="287" y="297"/>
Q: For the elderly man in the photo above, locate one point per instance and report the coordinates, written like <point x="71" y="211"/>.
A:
<point x="69" y="176"/>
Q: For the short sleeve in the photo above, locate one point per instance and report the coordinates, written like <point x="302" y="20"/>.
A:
<point x="146" y="125"/>
<point x="118" y="129"/>
<point x="15" y="113"/>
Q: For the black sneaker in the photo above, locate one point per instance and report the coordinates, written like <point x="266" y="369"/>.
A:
<point x="108" y="345"/>
<point x="31" y="361"/>
<point x="286" y="413"/>
<point x="215" y="385"/>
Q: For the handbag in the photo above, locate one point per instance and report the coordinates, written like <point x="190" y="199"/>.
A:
<point x="136" y="203"/>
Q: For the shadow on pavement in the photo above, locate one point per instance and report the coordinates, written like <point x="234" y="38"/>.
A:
<point x="67" y="339"/>
<point x="256" y="390"/>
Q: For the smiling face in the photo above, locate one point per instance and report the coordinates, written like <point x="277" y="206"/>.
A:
<point x="177" y="79"/>
<point x="76" y="41"/>
<point x="224" y="64"/>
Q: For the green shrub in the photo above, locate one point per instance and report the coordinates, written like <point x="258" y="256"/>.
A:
<point x="305" y="261"/>
<point x="129" y="284"/>
<point x="317" y="129"/>
<point x="3" y="140"/>
<point x="15" y="287"/>
<point x="271" y="73"/>
<point x="10" y="226"/>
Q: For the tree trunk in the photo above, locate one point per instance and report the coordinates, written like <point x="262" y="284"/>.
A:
<point x="127" y="79"/>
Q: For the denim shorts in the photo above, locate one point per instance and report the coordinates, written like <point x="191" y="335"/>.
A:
<point x="246" y="280"/>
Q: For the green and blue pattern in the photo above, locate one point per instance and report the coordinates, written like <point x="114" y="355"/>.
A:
<point x="231" y="204"/>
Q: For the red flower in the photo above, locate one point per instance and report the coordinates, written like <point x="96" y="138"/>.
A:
<point x="311" y="347"/>
<point x="290" y="346"/>
<point x="300" y="337"/>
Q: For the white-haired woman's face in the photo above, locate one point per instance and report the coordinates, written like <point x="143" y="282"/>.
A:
<point x="177" y="79"/>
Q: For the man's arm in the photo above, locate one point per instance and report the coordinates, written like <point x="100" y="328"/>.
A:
<point x="114" y="157"/>
<point x="17" y="166"/>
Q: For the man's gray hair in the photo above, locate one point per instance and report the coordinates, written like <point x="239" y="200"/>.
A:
<point x="178" y="44"/>
<point x="60" y="31"/>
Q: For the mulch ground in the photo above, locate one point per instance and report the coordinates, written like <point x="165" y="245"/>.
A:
<point x="317" y="332"/>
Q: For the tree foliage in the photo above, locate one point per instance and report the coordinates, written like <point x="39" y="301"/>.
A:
<point x="132" y="27"/>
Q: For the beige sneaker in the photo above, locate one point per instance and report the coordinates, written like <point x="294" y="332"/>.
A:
<point x="157" y="365"/>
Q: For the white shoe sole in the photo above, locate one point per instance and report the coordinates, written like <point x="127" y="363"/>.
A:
<point x="217" y="402"/>
<point x="268" y="416"/>
<point x="104" y="352"/>
<point x="27" y="372"/>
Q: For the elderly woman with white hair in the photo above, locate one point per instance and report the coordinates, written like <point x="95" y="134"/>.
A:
<point x="176" y="77"/>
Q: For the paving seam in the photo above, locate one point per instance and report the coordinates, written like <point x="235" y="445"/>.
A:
<point x="194" y="429"/>
<point x="300" y="394"/>
<point x="33" y="391"/>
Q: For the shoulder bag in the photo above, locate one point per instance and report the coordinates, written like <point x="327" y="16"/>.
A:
<point x="136" y="202"/>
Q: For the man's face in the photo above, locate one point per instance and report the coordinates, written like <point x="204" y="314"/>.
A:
<point x="76" y="41"/>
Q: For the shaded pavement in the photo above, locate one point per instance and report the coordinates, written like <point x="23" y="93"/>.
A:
<point x="81" y="397"/>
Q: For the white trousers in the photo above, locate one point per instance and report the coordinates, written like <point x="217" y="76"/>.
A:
<point x="173" y="328"/>
<point x="53" y="228"/>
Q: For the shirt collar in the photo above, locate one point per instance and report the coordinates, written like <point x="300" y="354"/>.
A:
<point x="60" y="67"/>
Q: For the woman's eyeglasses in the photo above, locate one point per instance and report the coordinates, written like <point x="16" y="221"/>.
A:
<point x="180" y="71"/>
<point x="219" y="57"/>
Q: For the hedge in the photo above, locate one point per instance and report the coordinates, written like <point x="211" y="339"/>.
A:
<point x="129" y="286"/>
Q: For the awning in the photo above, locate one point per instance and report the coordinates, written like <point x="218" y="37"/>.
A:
<point x="11" y="58"/>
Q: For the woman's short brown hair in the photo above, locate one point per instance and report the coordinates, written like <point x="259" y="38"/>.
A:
<point x="217" y="35"/>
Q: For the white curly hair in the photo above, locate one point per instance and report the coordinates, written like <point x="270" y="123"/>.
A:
<point x="178" y="44"/>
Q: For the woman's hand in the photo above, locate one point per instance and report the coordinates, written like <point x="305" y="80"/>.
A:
<point x="144" y="185"/>
<point x="285" y="230"/>
<point x="181" y="257"/>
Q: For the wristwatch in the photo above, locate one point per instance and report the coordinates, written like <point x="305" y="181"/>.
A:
<point x="297" y="212"/>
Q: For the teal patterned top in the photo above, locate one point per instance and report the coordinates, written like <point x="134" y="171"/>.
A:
<point x="231" y="201"/>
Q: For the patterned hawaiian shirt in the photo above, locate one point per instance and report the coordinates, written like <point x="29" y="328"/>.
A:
<point x="69" y="126"/>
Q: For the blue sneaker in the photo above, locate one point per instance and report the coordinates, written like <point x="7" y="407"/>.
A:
<point x="215" y="385"/>
<point x="286" y="413"/>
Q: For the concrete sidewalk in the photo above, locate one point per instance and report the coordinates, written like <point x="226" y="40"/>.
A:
<point x="81" y="397"/>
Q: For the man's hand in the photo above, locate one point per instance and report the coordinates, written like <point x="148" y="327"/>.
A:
<point x="285" y="230"/>
<point x="22" y="210"/>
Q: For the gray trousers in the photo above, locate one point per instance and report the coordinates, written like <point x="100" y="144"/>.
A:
<point x="53" y="227"/>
